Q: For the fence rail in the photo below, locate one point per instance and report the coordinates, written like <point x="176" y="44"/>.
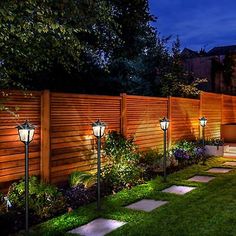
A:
<point x="64" y="142"/>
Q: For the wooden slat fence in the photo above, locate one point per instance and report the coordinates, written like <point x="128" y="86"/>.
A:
<point x="143" y="115"/>
<point x="64" y="142"/>
<point x="11" y="150"/>
<point x="211" y="108"/>
<point x="184" y="119"/>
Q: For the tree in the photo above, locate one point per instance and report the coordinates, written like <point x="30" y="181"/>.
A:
<point x="38" y="37"/>
<point x="134" y="61"/>
<point x="176" y="81"/>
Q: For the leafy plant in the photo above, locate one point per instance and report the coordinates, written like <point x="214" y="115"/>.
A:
<point x="121" y="169"/>
<point x="150" y="162"/>
<point x="44" y="200"/>
<point x="214" y="142"/>
<point x="188" y="152"/>
<point x="77" y="178"/>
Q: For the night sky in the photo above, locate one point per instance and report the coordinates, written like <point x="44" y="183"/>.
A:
<point x="198" y="23"/>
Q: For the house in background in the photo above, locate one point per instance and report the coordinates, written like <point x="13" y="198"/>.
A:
<point x="217" y="65"/>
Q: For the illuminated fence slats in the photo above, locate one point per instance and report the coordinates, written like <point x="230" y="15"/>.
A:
<point x="63" y="139"/>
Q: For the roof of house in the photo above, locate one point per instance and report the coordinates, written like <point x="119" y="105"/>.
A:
<point x="188" y="53"/>
<point x="222" y="50"/>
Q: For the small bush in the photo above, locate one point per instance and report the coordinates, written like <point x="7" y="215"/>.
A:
<point x="151" y="163"/>
<point x="122" y="169"/>
<point x="77" y="178"/>
<point x="214" y="142"/>
<point x="3" y="207"/>
<point x="44" y="200"/>
<point x="187" y="152"/>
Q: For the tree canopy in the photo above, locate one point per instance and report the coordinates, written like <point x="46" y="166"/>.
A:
<point x="85" y="46"/>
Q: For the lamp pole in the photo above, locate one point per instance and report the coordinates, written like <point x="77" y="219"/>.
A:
<point x="26" y="134"/>
<point x="164" y="164"/>
<point x="99" y="173"/>
<point x="27" y="185"/>
<point x="164" y="123"/>
<point x="98" y="131"/>
<point x="203" y="122"/>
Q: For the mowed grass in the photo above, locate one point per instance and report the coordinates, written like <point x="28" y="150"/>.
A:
<point x="210" y="209"/>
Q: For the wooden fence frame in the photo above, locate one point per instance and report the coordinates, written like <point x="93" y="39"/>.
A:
<point x="45" y="136"/>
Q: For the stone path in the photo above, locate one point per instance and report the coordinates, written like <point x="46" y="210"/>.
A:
<point x="230" y="163"/>
<point x="180" y="190"/>
<point x="219" y="170"/>
<point x="98" y="227"/>
<point x="146" y="205"/>
<point x="101" y="226"/>
<point x="201" y="178"/>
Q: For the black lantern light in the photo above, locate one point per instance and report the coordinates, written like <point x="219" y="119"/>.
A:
<point x="98" y="131"/>
<point x="164" y="124"/>
<point x="26" y="135"/>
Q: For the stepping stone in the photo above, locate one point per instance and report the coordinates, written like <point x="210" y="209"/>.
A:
<point x="146" y="205"/>
<point x="180" y="190"/>
<point x="201" y="178"/>
<point x="230" y="163"/>
<point x="97" y="227"/>
<point x="219" y="170"/>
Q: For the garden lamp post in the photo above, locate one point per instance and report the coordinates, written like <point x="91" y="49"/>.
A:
<point x="98" y="132"/>
<point x="26" y="135"/>
<point x="164" y="123"/>
<point x="203" y="122"/>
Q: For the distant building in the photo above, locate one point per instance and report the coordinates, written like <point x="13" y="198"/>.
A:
<point x="218" y="65"/>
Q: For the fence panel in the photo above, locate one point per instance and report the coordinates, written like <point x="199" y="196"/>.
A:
<point x="12" y="158"/>
<point x="229" y="109"/>
<point x="73" y="146"/>
<point x="211" y="108"/>
<point x="143" y="115"/>
<point x="184" y="119"/>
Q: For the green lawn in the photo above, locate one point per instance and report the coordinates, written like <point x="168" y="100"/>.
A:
<point x="208" y="210"/>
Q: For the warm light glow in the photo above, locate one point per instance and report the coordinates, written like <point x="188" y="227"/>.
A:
<point x="203" y="121"/>
<point x="98" y="128"/>
<point x="164" y="123"/>
<point x="26" y="132"/>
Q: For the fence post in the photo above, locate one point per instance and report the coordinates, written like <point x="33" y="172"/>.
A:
<point x="200" y="115"/>
<point x="45" y="137"/>
<point x="222" y="114"/>
<point x="123" y="114"/>
<point x="169" y="115"/>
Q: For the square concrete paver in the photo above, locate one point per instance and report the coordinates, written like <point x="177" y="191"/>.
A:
<point x="230" y="163"/>
<point x="219" y="170"/>
<point x="98" y="227"/>
<point x="146" y="205"/>
<point x="201" y="178"/>
<point x="181" y="190"/>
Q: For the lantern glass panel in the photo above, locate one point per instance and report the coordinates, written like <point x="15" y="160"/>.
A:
<point x="98" y="130"/>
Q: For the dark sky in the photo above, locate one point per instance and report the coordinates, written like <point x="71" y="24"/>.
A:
<point x="199" y="23"/>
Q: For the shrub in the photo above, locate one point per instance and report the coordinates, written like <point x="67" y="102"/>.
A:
<point x="44" y="200"/>
<point x="3" y="207"/>
<point x="122" y="169"/>
<point x="188" y="152"/>
<point x="214" y="142"/>
<point x="79" y="195"/>
<point x="77" y="178"/>
<point x="150" y="162"/>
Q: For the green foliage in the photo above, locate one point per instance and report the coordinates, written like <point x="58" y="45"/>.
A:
<point x="188" y="152"/>
<point x="37" y="36"/>
<point x="44" y="200"/>
<point x="150" y="162"/>
<point x="2" y="204"/>
<point x="214" y="142"/>
<point x="77" y="178"/>
<point x="121" y="169"/>
<point x="176" y="81"/>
